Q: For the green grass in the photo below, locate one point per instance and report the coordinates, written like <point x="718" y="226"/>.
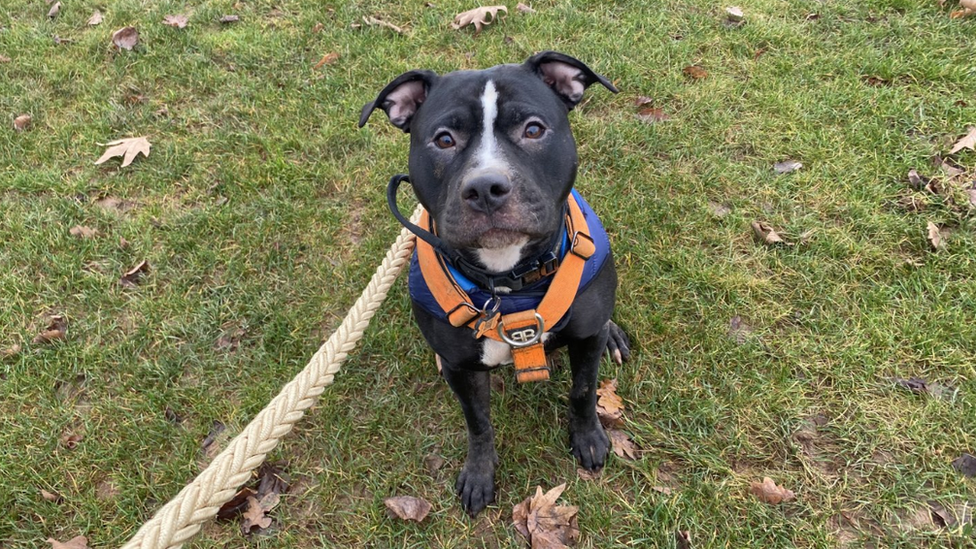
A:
<point x="262" y="208"/>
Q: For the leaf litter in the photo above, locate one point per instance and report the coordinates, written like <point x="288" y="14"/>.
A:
<point x="544" y="524"/>
<point x="22" y="122"/>
<point x="407" y="508"/>
<point x="178" y="21"/>
<point x="127" y="148"/>
<point x="478" y="17"/>
<point x="77" y="542"/>
<point x="126" y="38"/>
<point x="768" y="492"/>
<point x="253" y="502"/>
<point x="609" y="406"/>
<point x="95" y="19"/>
<point x="57" y="328"/>
<point x="966" y="465"/>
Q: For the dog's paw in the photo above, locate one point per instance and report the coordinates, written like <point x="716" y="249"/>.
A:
<point x="590" y="446"/>
<point x="476" y="487"/>
<point x="618" y="344"/>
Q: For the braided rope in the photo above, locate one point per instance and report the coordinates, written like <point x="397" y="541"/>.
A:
<point x="180" y="519"/>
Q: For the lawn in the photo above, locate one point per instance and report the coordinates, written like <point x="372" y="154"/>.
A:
<point x="260" y="212"/>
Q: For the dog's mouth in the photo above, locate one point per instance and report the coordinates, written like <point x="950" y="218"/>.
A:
<point x="494" y="239"/>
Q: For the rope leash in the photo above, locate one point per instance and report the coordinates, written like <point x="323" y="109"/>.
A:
<point x="183" y="516"/>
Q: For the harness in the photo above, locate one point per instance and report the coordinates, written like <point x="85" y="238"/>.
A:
<point x="541" y="299"/>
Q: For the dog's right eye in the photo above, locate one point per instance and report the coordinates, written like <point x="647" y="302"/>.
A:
<point x="444" y="141"/>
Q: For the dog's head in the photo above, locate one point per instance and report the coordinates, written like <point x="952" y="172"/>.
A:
<point x="492" y="156"/>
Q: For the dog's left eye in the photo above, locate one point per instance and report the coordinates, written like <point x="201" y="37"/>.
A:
<point x="534" y="131"/>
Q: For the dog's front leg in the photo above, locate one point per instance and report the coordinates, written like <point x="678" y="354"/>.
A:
<point x="588" y="441"/>
<point x="476" y="483"/>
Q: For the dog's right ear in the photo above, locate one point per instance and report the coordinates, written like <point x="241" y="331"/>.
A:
<point x="401" y="98"/>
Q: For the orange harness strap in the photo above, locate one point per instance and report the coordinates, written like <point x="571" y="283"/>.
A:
<point x="521" y="330"/>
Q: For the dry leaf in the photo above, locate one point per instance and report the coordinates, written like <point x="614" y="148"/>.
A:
<point x="766" y="234"/>
<point x="935" y="236"/>
<point x="128" y="148"/>
<point x="125" y="38"/>
<point x="82" y="232"/>
<point x="11" y="351"/>
<point x="622" y="445"/>
<point x="477" y="17"/>
<point x="968" y="4"/>
<point x="106" y="490"/>
<point x="609" y="406"/>
<point x="71" y="440"/>
<point x="317" y="28"/>
<point x="79" y="542"/>
<point x="544" y="524"/>
<point x="22" y="122"/>
<point x="230" y="338"/>
<point x="523" y="8"/>
<point x="56" y="329"/>
<point x="55" y="10"/>
<point x="734" y="14"/>
<point x="682" y="539"/>
<point x="968" y="142"/>
<point x="254" y="516"/>
<point x="407" y="508"/>
<point x="51" y="496"/>
<point x="916" y="181"/>
<point x="787" y="166"/>
<point x="327" y="59"/>
<point x="739" y="330"/>
<point x="652" y="115"/>
<point x="768" y="492"/>
<point x="694" y="72"/>
<point x="95" y="19"/>
<point x="178" y="21"/>
<point x="376" y="22"/>
<point x="965" y="464"/>
<point x="133" y="275"/>
<point x="4" y="59"/>
<point x="229" y="19"/>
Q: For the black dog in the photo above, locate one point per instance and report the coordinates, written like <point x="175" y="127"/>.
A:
<point x="518" y="259"/>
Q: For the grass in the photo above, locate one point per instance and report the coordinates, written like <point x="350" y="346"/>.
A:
<point x="261" y="212"/>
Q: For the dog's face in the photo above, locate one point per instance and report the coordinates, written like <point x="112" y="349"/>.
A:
<point x="491" y="151"/>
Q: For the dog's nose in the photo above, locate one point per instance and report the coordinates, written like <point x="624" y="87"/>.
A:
<point x="486" y="192"/>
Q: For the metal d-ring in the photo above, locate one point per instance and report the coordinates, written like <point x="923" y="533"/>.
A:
<point x="523" y="340"/>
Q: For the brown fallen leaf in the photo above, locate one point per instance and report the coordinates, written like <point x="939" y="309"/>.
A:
<point x="652" y="114"/>
<point x="522" y="8"/>
<point x="54" y="11"/>
<point x="77" y="542"/>
<point x="22" y="122"/>
<point x="609" y="406"/>
<point x="967" y="142"/>
<point x="622" y="445"/>
<point x="178" y="21"/>
<point x="127" y="148"/>
<point x="254" y="516"/>
<point x="682" y="539"/>
<point x="10" y="352"/>
<point x="407" y="508"/>
<point x="327" y="59"/>
<point x="935" y="236"/>
<point x="71" y="440"/>
<point x="544" y="524"/>
<point x="734" y="14"/>
<point x="4" y="59"/>
<point x="51" y="496"/>
<point x="478" y="17"/>
<point x="126" y="38"/>
<point x="317" y="28"/>
<point x="694" y="72"/>
<point x="768" y="492"/>
<point x="739" y="330"/>
<point x="81" y="231"/>
<point x="56" y="329"/>
<point x="916" y="181"/>
<point x="229" y="19"/>
<point x="106" y="490"/>
<point x="766" y="234"/>
<point x="134" y="275"/>
<point x="95" y="19"/>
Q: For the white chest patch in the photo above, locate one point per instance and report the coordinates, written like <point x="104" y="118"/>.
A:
<point x="496" y="353"/>
<point x="499" y="260"/>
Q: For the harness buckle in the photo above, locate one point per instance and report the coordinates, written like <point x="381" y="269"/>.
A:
<point x="582" y="245"/>
<point x="524" y="336"/>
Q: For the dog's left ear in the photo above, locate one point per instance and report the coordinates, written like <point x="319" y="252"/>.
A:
<point x="567" y="76"/>
<point x="401" y="98"/>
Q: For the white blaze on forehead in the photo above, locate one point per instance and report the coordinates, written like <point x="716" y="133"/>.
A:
<point x="488" y="151"/>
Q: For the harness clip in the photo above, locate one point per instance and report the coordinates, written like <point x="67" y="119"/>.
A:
<point x="523" y="336"/>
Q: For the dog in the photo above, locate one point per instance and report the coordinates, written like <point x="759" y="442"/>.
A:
<point x="510" y="261"/>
